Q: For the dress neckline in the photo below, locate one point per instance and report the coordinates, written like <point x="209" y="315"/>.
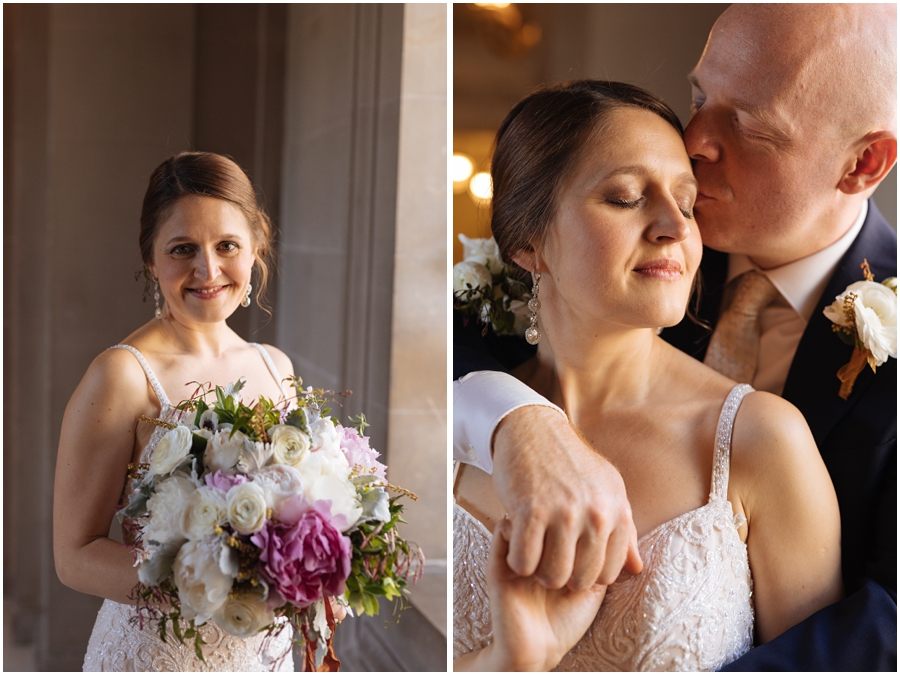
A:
<point x="721" y="468"/>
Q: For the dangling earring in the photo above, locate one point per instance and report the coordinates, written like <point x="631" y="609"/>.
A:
<point x="246" y="301"/>
<point x="156" y="298"/>
<point x="532" y="334"/>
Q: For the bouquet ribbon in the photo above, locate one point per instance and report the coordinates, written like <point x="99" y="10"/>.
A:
<point x="331" y="663"/>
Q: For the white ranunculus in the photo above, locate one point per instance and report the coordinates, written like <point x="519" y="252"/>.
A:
<point x="166" y="507"/>
<point x="326" y="476"/>
<point x="243" y="617"/>
<point x="468" y="274"/>
<point x="171" y="451"/>
<point x="247" y="508"/>
<point x="875" y="312"/>
<point x="280" y="482"/>
<point x="204" y="510"/>
<point x="289" y="444"/>
<point x="202" y="586"/>
<point x="482" y="251"/>
<point x="223" y="451"/>
<point x="324" y="435"/>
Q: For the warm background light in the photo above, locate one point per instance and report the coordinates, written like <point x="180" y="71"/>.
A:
<point x="461" y="168"/>
<point x="480" y="185"/>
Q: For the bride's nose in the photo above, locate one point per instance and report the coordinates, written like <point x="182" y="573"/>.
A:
<point x="206" y="266"/>
<point x="669" y="224"/>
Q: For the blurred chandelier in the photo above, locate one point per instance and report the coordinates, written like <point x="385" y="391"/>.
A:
<point x="503" y="28"/>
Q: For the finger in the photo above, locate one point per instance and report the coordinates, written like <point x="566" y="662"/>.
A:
<point x="558" y="557"/>
<point x="616" y="550"/>
<point x="590" y="554"/>
<point x="497" y="569"/>
<point x="633" y="562"/>
<point x="525" y="545"/>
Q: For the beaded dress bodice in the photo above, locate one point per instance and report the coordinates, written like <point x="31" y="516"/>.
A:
<point x="689" y="609"/>
<point x="119" y="643"/>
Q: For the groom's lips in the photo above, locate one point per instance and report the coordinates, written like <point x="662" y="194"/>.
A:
<point x="662" y="268"/>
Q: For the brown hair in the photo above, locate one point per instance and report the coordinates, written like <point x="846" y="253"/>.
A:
<point x="205" y="174"/>
<point x="539" y="143"/>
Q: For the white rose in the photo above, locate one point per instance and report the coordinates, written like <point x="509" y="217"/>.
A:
<point x="289" y="444"/>
<point x="202" y="586"/>
<point x="247" y="508"/>
<point x="280" y="482"/>
<point x="482" y="251"/>
<point x="468" y="274"/>
<point x="166" y="507"/>
<point x="243" y="617"/>
<point x="223" y="451"/>
<point x="875" y="312"/>
<point x="171" y="451"/>
<point x="324" y="435"/>
<point x="204" y="510"/>
<point x="326" y="476"/>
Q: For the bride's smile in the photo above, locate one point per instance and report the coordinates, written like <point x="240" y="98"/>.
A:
<point x="203" y="259"/>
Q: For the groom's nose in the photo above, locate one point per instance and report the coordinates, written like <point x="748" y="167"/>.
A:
<point x="701" y="138"/>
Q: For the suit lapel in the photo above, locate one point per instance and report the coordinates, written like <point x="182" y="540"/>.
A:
<point x="812" y="383"/>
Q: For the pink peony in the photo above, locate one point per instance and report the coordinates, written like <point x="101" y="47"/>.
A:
<point x="357" y="451"/>
<point x="305" y="561"/>
<point x="224" y="481"/>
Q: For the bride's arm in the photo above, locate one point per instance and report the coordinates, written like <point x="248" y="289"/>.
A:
<point x="794" y="535"/>
<point x="95" y="447"/>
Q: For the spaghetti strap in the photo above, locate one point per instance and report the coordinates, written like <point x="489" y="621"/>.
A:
<point x="724" y="429"/>
<point x="151" y="377"/>
<point x="270" y="364"/>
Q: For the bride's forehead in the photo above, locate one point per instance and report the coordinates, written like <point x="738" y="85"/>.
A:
<point x="198" y="216"/>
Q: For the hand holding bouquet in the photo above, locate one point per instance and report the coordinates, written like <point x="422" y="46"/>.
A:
<point x="245" y="514"/>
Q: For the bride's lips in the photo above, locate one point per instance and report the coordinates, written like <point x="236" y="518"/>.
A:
<point x="208" y="293"/>
<point x="662" y="268"/>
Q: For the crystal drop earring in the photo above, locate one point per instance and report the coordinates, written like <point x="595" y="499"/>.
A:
<point x="532" y="333"/>
<point x="246" y="301"/>
<point x="156" y="298"/>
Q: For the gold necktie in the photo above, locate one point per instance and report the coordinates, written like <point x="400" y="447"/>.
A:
<point x="734" y="346"/>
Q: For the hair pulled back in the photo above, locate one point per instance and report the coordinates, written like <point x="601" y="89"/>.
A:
<point x="205" y="174"/>
<point x="538" y="145"/>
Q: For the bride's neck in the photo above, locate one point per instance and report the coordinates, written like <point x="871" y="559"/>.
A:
<point x="579" y="370"/>
<point x="201" y="339"/>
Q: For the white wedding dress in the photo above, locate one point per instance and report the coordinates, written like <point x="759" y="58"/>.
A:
<point x="118" y="643"/>
<point x="690" y="608"/>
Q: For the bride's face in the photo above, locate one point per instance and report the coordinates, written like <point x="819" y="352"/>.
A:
<point x="203" y="258"/>
<point x="623" y="246"/>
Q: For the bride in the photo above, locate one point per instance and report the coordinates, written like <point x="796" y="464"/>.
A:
<point x="738" y="524"/>
<point x="202" y="234"/>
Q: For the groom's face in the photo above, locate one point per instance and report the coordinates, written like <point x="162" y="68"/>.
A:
<point x="760" y="143"/>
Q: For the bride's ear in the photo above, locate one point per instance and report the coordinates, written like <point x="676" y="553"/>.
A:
<point x="525" y="258"/>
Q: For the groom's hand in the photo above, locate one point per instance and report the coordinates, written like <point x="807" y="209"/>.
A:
<point x="571" y="519"/>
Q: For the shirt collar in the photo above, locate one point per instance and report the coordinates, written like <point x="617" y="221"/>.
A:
<point x="802" y="282"/>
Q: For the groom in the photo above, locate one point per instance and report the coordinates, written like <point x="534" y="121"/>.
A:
<point x="794" y="128"/>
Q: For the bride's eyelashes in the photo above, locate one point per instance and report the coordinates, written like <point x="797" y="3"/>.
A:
<point x="626" y="204"/>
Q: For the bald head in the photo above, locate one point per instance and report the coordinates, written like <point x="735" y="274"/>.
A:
<point x="838" y="61"/>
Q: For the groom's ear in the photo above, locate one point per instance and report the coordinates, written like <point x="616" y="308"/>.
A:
<point x="525" y="258"/>
<point x="871" y="160"/>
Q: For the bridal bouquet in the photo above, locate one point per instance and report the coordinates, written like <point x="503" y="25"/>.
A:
<point x="484" y="288"/>
<point x="246" y="514"/>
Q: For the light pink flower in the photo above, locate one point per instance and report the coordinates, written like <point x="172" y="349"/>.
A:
<point x="357" y="451"/>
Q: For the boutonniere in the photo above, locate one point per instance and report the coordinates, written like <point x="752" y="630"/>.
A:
<point x="865" y="317"/>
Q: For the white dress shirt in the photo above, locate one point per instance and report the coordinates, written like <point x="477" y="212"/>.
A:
<point x="482" y="399"/>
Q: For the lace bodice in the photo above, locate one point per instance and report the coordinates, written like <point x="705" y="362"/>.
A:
<point x="119" y="643"/>
<point x="690" y="608"/>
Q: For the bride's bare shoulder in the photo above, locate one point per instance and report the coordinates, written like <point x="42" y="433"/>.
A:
<point x="282" y="361"/>
<point x="114" y="376"/>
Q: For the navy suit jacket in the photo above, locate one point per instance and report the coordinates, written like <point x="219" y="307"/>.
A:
<point x="858" y="442"/>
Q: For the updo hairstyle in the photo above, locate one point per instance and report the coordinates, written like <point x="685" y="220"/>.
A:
<point x="205" y="174"/>
<point x="540" y="142"/>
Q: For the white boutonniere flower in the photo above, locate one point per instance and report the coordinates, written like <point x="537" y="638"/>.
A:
<point x="865" y="316"/>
